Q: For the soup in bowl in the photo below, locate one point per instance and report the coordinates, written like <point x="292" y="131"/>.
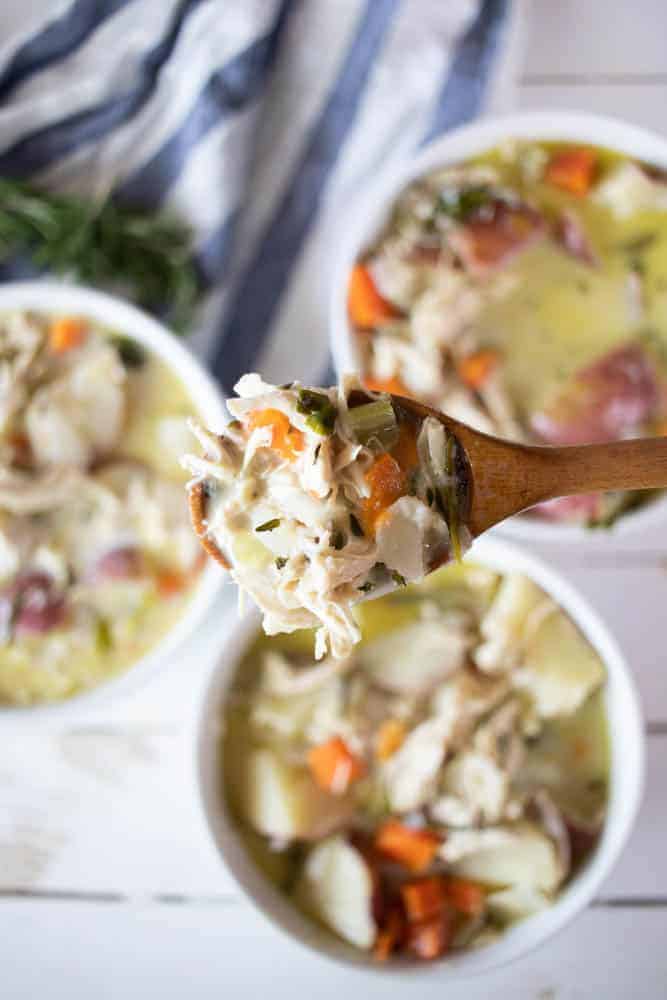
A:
<point x="97" y="560"/>
<point x="516" y="278"/>
<point x="451" y="793"/>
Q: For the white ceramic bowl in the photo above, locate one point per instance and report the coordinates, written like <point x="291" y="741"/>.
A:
<point x="370" y="210"/>
<point x="126" y="319"/>
<point x="626" y="781"/>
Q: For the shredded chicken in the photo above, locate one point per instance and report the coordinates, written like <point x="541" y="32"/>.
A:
<point x="293" y="505"/>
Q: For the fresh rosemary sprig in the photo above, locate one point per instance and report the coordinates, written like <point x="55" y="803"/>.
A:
<point x="142" y="255"/>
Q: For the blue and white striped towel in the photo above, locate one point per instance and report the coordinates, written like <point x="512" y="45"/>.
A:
<point x="254" y="119"/>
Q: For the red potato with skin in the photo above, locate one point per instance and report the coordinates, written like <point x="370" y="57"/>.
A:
<point x="488" y="242"/>
<point x="123" y="563"/>
<point x="570" y="234"/>
<point x="35" y="604"/>
<point x="608" y="400"/>
<point x="584" y="507"/>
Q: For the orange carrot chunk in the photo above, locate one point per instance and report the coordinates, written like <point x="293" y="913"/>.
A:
<point x="366" y="307"/>
<point x="415" y="849"/>
<point x="465" y="896"/>
<point x="389" y="935"/>
<point x="334" y="767"/>
<point x="387" y="482"/>
<point x="572" y="170"/>
<point x="170" y="582"/>
<point x="476" y="368"/>
<point x="66" y="333"/>
<point x="288" y="441"/>
<point x="389" y="737"/>
<point x="429" y="939"/>
<point x="393" y="385"/>
<point x="424" y="898"/>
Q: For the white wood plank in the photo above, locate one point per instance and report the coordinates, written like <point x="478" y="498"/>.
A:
<point x="113" y="951"/>
<point x="641" y="104"/>
<point x="605" y="37"/>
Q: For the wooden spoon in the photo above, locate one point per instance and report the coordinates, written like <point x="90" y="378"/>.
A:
<point x="500" y="478"/>
<point x="505" y="478"/>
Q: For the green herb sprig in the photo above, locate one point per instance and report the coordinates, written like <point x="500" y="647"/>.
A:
<point x="145" y="256"/>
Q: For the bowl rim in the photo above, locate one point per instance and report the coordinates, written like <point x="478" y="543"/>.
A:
<point x="115" y="313"/>
<point x="370" y="207"/>
<point x="626" y="786"/>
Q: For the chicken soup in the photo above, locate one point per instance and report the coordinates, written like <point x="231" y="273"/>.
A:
<point x="96" y="557"/>
<point x="445" y="780"/>
<point x="524" y="292"/>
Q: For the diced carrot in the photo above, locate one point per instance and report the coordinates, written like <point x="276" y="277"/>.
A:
<point x="405" y="449"/>
<point x="572" y="170"/>
<point x="415" y="849"/>
<point x="170" y="582"/>
<point x="393" y="385"/>
<point x="334" y="767"/>
<point x="366" y="307"/>
<point x="66" y="333"/>
<point x="389" y="737"/>
<point x="429" y="939"/>
<point x="465" y="896"/>
<point x="387" y="482"/>
<point x="424" y="898"/>
<point x="285" y="439"/>
<point x="476" y="368"/>
<point x="389" y="935"/>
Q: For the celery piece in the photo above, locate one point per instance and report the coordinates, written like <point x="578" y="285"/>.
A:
<point x="374" y="420"/>
<point x="452" y="506"/>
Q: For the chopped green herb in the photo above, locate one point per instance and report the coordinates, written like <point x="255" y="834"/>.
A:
<point x="637" y="244"/>
<point x="316" y="453"/>
<point x="281" y="561"/>
<point x="318" y="409"/>
<point x="337" y="539"/>
<point x="269" y="525"/>
<point x="355" y="527"/>
<point x="460" y="203"/>
<point x="366" y="587"/>
<point x="103" y="638"/>
<point x="398" y="579"/>
<point x="129" y="352"/>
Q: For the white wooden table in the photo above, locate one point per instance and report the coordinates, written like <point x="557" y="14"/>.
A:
<point x="109" y="886"/>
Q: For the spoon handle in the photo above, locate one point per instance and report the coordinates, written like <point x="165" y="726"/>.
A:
<point x="620" y="465"/>
<point x="512" y="477"/>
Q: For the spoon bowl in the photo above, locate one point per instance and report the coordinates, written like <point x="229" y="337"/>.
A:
<point x="499" y="478"/>
<point x="506" y="478"/>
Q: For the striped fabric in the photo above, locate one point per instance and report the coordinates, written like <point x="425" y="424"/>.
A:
<point x="254" y="119"/>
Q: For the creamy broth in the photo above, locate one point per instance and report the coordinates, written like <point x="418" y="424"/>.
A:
<point x="533" y="715"/>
